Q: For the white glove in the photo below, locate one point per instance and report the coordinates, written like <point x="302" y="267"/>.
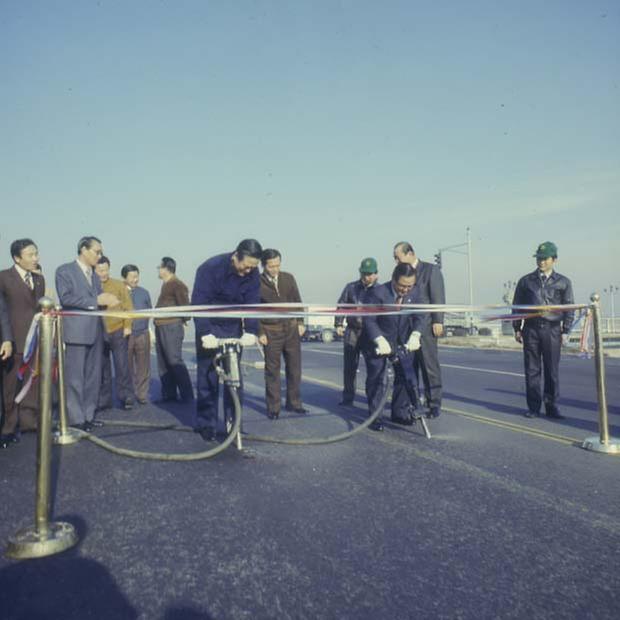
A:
<point x="210" y="342"/>
<point x="247" y="339"/>
<point x="383" y="346"/>
<point x="413" y="344"/>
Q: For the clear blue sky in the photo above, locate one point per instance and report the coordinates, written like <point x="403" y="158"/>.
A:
<point x="329" y="130"/>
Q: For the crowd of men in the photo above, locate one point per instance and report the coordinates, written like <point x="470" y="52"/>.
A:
<point x="94" y="344"/>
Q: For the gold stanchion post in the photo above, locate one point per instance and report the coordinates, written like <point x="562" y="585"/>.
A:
<point x="65" y="435"/>
<point x="44" y="538"/>
<point x="602" y="443"/>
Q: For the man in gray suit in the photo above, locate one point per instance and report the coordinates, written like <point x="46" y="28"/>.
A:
<point x="79" y="288"/>
<point x="430" y="287"/>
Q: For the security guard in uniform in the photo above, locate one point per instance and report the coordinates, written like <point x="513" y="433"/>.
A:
<point x="354" y="293"/>
<point x="542" y="336"/>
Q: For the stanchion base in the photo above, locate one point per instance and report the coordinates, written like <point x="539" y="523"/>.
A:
<point x="29" y="543"/>
<point x="595" y="444"/>
<point x="66" y="439"/>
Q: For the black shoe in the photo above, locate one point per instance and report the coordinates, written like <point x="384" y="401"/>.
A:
<point x="346" y="403"/>
<point x="532" y="414"/>
<point x="94" y="423"/>
<point x="128" y="404"/>
<point x="12" y="438"/>
<point x="299" y="409"/>
<point x="273" y="415"/>
<point x="101" y="408"/>
<point x="207" y="433"/>
<point x="142" y="401"/>
<point x="84" y="426"/>
<point x="404" y="421"/>
<point x="434" y="412"/>
<point x="554" y="412"/>
<point x="377" y="425"/>
<point x="4" y="442"/>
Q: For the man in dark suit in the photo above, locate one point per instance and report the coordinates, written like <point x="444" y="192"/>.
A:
<point x="430" y="290"/>
<point x="280" y="337"/>
<point x="396" y="335"/>
<point x="230" y="278"/>
<point x="21" y="288"/>
<point x="6" y="348"/>
<point x="79" y="288"/>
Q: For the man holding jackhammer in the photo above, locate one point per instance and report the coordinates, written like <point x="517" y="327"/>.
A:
<point x="394" y="336"/>
<point x="227" y="279"/>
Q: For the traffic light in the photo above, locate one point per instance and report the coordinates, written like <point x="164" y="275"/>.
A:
<point x="438" y="259"/>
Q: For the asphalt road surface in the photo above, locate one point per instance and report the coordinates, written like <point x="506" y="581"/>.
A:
<point x="495" y="516"/>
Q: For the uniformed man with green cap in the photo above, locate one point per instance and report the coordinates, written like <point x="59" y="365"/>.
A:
<point x="353" y="293"/>
<point x="542" y="335"/>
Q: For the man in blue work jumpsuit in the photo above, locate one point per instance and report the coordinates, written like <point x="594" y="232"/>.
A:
<point x="225" y="279"/>
<point x="542" y="336"/>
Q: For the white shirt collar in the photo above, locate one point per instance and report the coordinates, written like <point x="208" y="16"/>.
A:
<point x="22" y="272"/>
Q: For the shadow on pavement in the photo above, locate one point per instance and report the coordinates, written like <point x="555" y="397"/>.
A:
<point x="63" y="586"/>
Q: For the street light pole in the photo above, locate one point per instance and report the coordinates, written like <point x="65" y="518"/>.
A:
<point x="612" y="290"/>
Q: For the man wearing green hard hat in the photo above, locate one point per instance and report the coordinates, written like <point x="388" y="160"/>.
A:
<point x="353" y="293"/>
<point x="543" y="333"/>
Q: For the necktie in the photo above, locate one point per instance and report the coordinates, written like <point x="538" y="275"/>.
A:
<point x="28" y="280"/>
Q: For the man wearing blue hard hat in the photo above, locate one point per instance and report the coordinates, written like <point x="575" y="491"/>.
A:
<point x="542" y="335"/>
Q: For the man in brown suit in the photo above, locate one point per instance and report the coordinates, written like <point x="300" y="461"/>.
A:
<point x="280" y="337"/>
<point x="21" y="287"/>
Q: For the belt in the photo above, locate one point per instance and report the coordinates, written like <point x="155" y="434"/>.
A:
<point x="542" y="323"/>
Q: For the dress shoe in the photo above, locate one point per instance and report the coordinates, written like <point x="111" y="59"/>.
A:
<point x="4" y="442"/>
<point x="128" y="404"/>
<point x="84" y="426"/>
<point x="434" y="412"/>
<point x="346" y="403"/>
<point x="404" y="421"/>
<point x="207" y="433"/>
<point x="273" y="415"/>
<point x="554" y="412"/>
<point x="377" y="425"/>
<point x="94" y="423"/>
<point x="532" y="414"/>
<point x="12" y="437"/>
<point x="299" y="409"/>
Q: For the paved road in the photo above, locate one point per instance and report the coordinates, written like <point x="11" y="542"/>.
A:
<point x="485" y="520"/>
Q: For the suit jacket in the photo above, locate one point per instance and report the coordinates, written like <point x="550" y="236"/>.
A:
<point x="395" y="328"/>
<point x="287" y="293"/>
<point x="22" y="303"/>
<point x="75" y="293"/>
<point x="6" y="334"/>
<point x="430" y="287"/>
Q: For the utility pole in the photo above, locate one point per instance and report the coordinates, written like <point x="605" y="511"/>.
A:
<point x="456" y="249"/>
<point x="612" y="290"/>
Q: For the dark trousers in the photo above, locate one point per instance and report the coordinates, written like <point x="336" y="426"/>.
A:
<point x="350" y="363"/>
<point x="115" y="347"/>
<point x="173" y="372"/>
<point x="426" y="363"/>
<point x="542" y="343"/>
<point x="404" y="395"/>
<point x="282" y="341"/>
<point x="207" y="389"/>
<point x="83" y="379"/>
<point x="26" y="413"/>
<point x="139" y="351"/>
